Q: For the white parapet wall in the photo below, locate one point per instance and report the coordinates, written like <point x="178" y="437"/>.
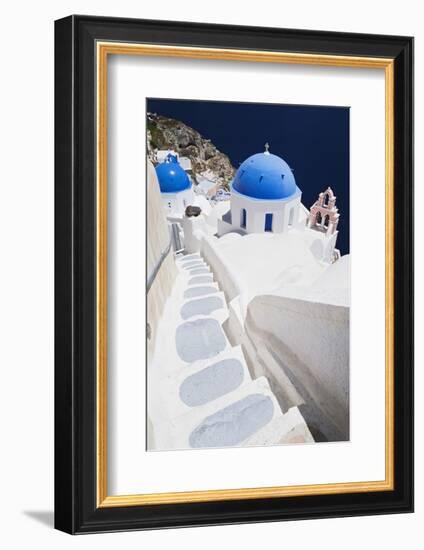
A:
<point x="161" y="269"/>
<point x="229" y="283"/>
<point x="316" y="365"/>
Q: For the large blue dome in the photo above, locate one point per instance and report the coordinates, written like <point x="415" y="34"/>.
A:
<point x="172" y="178"/>
<point x="266" y="177"/>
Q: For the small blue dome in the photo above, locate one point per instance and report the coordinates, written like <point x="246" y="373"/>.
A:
<point x="172" y="178"/>
<point x="265" y="176"/>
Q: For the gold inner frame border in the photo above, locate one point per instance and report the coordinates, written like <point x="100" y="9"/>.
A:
<point x="103" y="50"/>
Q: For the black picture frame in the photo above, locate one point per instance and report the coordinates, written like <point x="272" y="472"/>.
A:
<point x="76" y="509"/>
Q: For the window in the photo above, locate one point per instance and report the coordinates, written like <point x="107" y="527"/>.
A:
<point x="268" y="222"/>
<point x="243" y="218"/>
<point x="291" y="217"/>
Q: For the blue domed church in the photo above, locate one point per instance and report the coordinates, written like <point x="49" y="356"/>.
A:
<point x="175" y="186"/>
<point x="264" y="197"/>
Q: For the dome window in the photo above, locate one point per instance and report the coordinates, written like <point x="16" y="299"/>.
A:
<point x="268" y="222"/>
<point x="243" y="218"/>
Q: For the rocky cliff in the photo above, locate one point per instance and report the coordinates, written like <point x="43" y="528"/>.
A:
<point x="206" y="159"/>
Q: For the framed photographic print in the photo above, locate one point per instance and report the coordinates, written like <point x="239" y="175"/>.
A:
<point x="234" y="269"/>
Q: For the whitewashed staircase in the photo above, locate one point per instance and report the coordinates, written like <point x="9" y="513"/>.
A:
<point x="197" y="401"/>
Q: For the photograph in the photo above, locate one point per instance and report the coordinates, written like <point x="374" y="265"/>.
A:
<point x="247" y="274"/>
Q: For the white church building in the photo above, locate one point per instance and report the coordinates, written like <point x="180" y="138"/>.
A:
<point x="265" y="199"/>
<point x="175" y="185"/>
<point x="264" y="196"/>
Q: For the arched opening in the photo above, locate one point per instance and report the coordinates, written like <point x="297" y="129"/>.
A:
<point x="243" y="218"/>
<point x="318" y="218"/>
<point x="326" y="220"/>
<point x="268" y="222"/>
<point x="291" y="217"/>
<point x="326" y="199"/>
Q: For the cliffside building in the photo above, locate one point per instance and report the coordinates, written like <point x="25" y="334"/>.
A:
<point x="175" y="185"/>
<point x="264" y="197"/>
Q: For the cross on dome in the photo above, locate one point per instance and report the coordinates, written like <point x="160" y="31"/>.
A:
<point x="266" y="152"/>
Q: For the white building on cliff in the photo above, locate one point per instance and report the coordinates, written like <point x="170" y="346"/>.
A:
<point x="266" y="199"/>
<point x="175" y="185"/>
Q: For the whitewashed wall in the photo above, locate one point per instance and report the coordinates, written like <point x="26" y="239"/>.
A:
<point x="317" y="366"/>
<point x="162" y="270"/>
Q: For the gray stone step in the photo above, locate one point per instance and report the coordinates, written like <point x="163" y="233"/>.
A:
<point x="194" y="264"/>
<point x="223" y="422"/>
<point x="182" y="258"/>
<point x="200" y="279"/>
<point x="213" y="306"/>
<point x="197" y="270"/>
<point x="200" y="339"/>
<point x="196" y="385"/>
<point x="199" y="291"/>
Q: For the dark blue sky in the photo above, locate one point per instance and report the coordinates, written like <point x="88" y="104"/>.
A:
<point x="313" y="140"/>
